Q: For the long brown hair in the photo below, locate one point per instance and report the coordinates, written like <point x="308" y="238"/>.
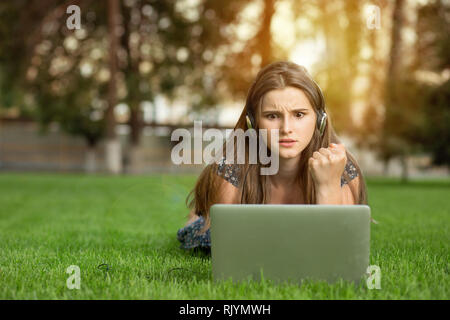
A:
<point x="254" y="188"/>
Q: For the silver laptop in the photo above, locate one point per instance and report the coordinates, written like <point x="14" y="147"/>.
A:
<point x="287" y="242"/>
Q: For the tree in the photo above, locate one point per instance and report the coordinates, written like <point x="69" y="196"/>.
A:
<point x="433" y="57"/>
<point x="173" y="48"/>
<point x="113" y="150"/>
<point x="436" y="126"/>
<point x="59" y="69"/>
<point x="391" y="143"/>
<point x="369" y="134"/>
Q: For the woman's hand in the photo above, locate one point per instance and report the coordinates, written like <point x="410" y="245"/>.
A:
<point x="327" y="165"/>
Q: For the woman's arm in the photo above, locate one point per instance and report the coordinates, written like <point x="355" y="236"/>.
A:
<point x="334" y="194"/>
<point x="228" y="194"/>
<point x="329" y="194"/>
<point x="326" y="167"/>
<point x="192" y="217"/>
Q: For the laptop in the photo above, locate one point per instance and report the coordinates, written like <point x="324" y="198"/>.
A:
<point x="289" y="242"/>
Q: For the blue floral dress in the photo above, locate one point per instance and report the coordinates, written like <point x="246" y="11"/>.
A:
<point x="189" y="236"/>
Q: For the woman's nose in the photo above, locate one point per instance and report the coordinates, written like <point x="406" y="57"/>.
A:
<point x="286" y="126"/>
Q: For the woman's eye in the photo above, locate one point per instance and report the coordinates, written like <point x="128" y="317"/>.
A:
<point x="271" y="116"/>
<point x="302" y="114"/>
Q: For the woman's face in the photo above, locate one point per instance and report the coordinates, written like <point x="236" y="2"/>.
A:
<point x="290" y="111"/>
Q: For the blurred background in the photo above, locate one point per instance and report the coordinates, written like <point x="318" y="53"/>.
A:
<point x="99" y="86"/>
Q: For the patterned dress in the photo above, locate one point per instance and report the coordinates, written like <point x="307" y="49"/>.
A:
<point x="189" y="236"/>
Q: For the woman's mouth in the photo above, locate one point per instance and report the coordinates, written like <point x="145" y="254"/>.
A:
<point x="287" y="142"/>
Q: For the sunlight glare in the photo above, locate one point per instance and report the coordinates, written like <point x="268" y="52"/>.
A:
<point x="307" y="53"/>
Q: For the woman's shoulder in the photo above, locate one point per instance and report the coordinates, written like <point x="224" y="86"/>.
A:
<point x="229" y="171"/>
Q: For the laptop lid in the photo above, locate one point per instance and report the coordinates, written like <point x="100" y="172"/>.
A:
<point x="289" y="242"/>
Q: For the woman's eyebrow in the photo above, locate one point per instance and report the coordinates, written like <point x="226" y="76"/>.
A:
<point x="293" y="110"/>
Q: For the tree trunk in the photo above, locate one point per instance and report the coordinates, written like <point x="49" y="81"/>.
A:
<point x="113" y="152"/>
<point x="392" y="77"/>
<point x="395" y="57"/>
<point x="404" y="163"/>
<point x="132" y="77"/>
<point x="135" y="124"/>
<point x="90" y="165"/>
<point x="264" y="35"/>
<point x="385" y="167"/>
<point x="113" y="149"/>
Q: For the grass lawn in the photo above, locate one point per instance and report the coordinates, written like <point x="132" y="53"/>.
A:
<point x="51" y="221"/>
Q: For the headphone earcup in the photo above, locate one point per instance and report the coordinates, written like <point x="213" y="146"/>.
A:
<point x="250" y="121"/>
<point x="321" y="122"/>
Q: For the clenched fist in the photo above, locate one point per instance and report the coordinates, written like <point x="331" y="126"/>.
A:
<point x="327" y="165"/>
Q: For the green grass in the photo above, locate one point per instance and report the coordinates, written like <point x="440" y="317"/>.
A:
<point x="49" y="222"/>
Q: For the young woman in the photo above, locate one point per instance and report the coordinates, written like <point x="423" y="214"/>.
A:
<point x="314" y="167"/>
